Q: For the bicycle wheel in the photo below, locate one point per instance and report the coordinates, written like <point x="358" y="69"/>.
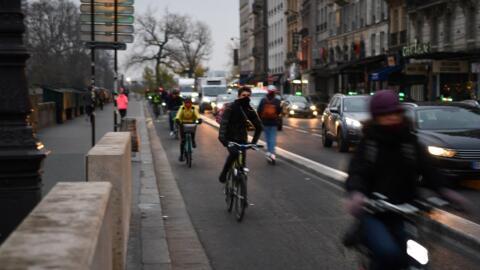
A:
<point x="229" y="191"/>
<point x="240" y="196"/>
<point x="188" y="150"/>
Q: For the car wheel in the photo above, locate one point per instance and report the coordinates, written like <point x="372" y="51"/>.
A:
<point x="343" y="145"/>
<point x="327" y="142"/>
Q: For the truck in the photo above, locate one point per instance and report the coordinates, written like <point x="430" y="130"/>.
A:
<point x="188" y="89"/>
<point x="210" y="88"/>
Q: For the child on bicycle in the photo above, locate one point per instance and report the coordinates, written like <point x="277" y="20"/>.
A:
<point x="187" y="114"/>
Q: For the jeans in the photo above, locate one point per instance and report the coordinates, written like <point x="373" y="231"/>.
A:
<point x="171" y="117"/>
<point x="271" y="138"/>
<point x="385" y="237"/>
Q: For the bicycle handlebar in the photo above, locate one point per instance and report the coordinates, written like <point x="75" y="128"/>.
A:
<point x="245" y="146"/>
<point x="380" y="204"/>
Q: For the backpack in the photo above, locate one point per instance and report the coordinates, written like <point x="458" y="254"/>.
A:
<point x="269" y="111"/>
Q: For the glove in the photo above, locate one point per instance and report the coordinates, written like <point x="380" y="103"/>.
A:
<point x="199" y="121"/>
<point x="354" y="203"/>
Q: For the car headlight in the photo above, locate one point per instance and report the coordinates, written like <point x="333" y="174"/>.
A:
<point x="213" y="104"/>
<point x="194" y="94"/>
<point x="313" y="108"/>
<point x="441" y="152"/>
<point x="353" y="122"/>
<point x="206" y="99"/>
<point x="193" y="99"/>
<point x="295" y="107"/>
<point x="164" y="104"/>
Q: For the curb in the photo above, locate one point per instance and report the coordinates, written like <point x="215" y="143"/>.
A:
<point x="463" y="231"/>
<point x="185" y="249"/>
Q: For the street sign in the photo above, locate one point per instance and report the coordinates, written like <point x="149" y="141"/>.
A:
<point x="107" y="9"/>
<point x="104" y="18"/>
<point x="107" y="38"/>
<point x="106" y="45"/>
<point x="120" y="2"/>
<point x="109" y="28"/>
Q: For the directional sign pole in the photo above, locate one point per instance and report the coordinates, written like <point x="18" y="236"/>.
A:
<point x="92" y="89"/>
<point x="115" y="83"/>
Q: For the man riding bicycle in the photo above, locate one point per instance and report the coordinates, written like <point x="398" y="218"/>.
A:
<point x="187" y="114"/>
<point x="234" y="127"/>
<point x="174" y="102"/>
<point x="156" y="103"/>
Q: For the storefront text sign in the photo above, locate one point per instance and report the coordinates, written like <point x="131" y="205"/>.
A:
<point x="416" y="69"/>
<point x="450" y="67"/>
<point x="416" y="49"/>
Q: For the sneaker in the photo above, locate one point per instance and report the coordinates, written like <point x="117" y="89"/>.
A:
<point x="268" y="154"/>
<point x="171" y="133"/>
<point x="273" y="157"/>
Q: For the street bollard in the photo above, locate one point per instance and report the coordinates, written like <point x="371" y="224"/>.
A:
<point x="92" y="121"/>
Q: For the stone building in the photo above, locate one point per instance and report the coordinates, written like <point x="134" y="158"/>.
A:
<point x="277" y="49"/>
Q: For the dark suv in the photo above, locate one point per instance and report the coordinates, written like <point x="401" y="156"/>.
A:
<point x="342" y="120"/>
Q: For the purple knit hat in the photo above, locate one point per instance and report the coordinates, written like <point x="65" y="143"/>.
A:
<point x="385" y="102"/>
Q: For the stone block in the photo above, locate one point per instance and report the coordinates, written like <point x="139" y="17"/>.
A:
<point x="110" y="160"/>
<point x="69" y="229"/>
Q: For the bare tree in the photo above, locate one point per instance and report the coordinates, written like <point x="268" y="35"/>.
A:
<point x="58" y="56"/>
<point x="194" y="41"/>
<point x="154" y="35"/>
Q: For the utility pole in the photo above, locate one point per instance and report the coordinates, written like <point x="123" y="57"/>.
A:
<point x="21" y="155"/>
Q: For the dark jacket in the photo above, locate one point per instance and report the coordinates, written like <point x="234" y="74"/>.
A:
<point x="174" y="104"/>
<point x="276" y="102"/>
<point x="391" y="164"/>
<point x="233" y="127"/>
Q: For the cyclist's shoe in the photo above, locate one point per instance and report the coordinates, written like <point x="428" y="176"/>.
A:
<point x="181" y="158"/>
<point x="172" y="133"/>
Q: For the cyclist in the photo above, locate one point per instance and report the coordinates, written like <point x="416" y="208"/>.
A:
<point x="174" y="102"/>
<point x="236" y="119"/>
<point x="186" y="114"/>
<point x="156" y="103"/>
<point x="269" y="111"/>
<point x="389" y="160"/>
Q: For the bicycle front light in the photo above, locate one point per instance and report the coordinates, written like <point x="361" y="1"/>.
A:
<point x="417" y="252"/>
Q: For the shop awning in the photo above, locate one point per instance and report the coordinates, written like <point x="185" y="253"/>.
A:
<point x="382" y="74"/>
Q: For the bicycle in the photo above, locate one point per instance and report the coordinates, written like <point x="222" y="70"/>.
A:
<point x="189" y="130"/>
<point x="236" y="185"/>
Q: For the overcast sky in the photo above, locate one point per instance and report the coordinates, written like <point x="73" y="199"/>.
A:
<point x="221" y="15"/>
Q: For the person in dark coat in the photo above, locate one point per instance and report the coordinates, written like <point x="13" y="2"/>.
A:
<point x="236" y="118"/>
<point x="389" y="160"/>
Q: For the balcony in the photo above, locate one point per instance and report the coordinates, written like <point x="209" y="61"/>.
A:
<point x="342" y="2"/>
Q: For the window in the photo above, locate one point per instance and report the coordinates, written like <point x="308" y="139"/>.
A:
<point x="372" y="44"/>
<point x="419" y="29"/>
<point x="470" y="23"/>
<point x="382" y="42"/>
<point x="448" y="28"/>
<point x="434" y="31"/>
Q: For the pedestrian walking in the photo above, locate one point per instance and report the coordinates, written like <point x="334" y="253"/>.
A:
<point x="269" y="111"/>
<point x="122" y="103"/>
<point x="89" y="102"/>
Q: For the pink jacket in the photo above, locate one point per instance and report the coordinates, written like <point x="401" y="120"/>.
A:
<point x="122" y="102"/>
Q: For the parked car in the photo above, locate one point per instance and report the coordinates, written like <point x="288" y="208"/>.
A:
<point x="320" y="101"/>
<point x="221" y="101"/>
<point x="300" y="106"/>
<point x="342" y="120"/>
<point x="450" y="133"/>
<point x="471" y="102"/>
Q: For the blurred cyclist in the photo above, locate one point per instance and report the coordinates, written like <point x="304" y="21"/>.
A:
<point x="389" y="160"/>
<point x="174" y="102"/>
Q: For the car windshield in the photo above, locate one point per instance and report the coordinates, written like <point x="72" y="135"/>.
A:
<point x="186" y="89"/>
<point x="448" y="118"/>
<point x="225" y="98"/>
<point x="214" y="91"/>
<point x="298" y="99"/>
<point x="259" y="95"/>
<point x="355" y="104"/>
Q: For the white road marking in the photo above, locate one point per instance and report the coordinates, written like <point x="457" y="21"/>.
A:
<point x="302" y="131"/>
<point x="317" y="135"/>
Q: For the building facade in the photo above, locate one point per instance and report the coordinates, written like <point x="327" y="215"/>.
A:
<point x="277" y="31"/>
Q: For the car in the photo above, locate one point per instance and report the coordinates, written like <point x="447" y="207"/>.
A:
<point x="221" y="101"/>
<point x="450" y="134"/>
<point x="343" y="119"/>
<point x="300" y="106"/>
<point x="209" y="95"/>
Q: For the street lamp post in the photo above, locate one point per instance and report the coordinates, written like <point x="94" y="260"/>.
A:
<point x="21" y="155"/>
